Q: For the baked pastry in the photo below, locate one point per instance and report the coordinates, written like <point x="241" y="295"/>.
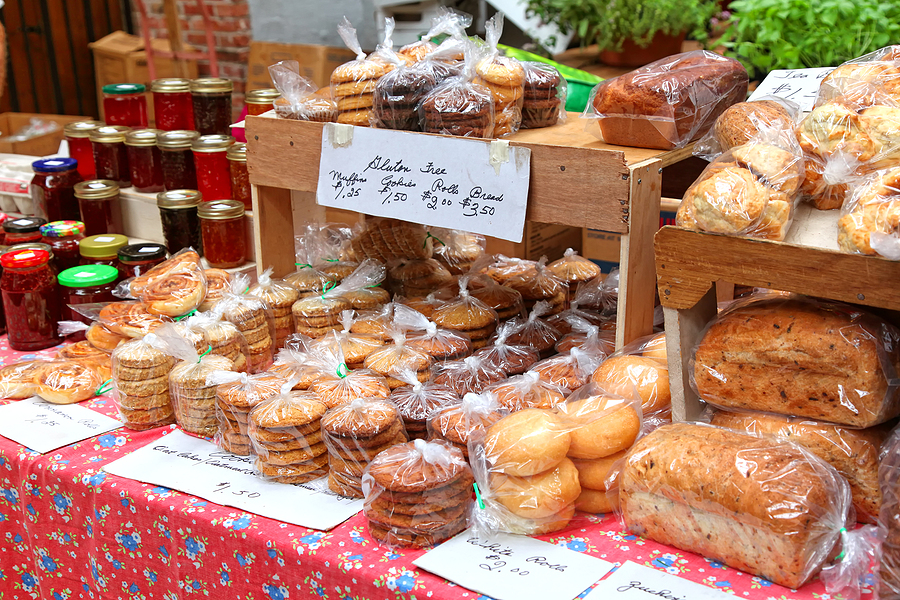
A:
<point x="398" y="93"/>
<point x="65" y="382"/>
<point x="309" y="281"/>
<point x="376" y="323"/>
<point x="458" y="108"/>
<point x="459" y="422"/>
<point x="317" y="106"/>
<point x="743" y="121"/>
<point x="417" y="400"/>
<point x="193" y="397"/>
<point x="527" y="391"/>
<point x="874" y="209"/>
<point x="340" y="388"/>
<point x="103" y="338"/>
<point x="541" y="496"/>
<point x="471" y="374"/>
<point x="540" y="284"/>
<point x="393" y="358"/>
<point x="234" y="402"/>
<point x="17" y="379"/>
<point x="457" y="250"/>
<point x="280" y="297"/>
<point x="352" y="85"/>
<point x="468" y="315"/>
<point x="640" y="377"/>
<point x="174" y="287"/>
<point x="511" y="359"/>
<point x="418" y="277"/>
<point x="353" y="347"/>
<point x="505" y="300"/>
<point x="384" y="240"/>
<point x="543" y="96"/>
<point x="571" y="370"/>
<point x="599" y="424"/>
<point x="139" y="373"/>
<point x="130" y="319"/>
<point x="573" y="269"/>
<point x="534" y="332"/>
<point x="218" y="282"/>
<point x="526" y="443"/>
<point x="427" y="337"/>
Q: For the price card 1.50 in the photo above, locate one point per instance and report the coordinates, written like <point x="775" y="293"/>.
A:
<point x="473" y="185"/>
<point x="44" y="427"/>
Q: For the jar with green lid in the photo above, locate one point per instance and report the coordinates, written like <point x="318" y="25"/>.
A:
<point x="260" y="101"/>
<point x="79" y="141"/>
<point x="110" y="154"/>
<point x="179" y="172"/>
<point x="86" y="284"/>
<point x="224" y="233"/>
<point x="210" y="159"/>
<point x="101" y="209"/>
<point x="180" y="223"/>
<point x="211" y="97"/>
<point x="137" y="259"/>
<point x="102" y="249"/>
<point x="63" y="238"/>
<point x="240" y="178"/>
<point x="125" y="104"/>
<point x="144" y="160"/>
<point x="172" y="105"/>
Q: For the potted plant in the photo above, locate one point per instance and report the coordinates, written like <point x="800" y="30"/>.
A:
<point x="629" y="33"/>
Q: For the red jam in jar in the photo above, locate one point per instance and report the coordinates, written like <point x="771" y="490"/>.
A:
<point x="144" y="160"/>
<point x="125" y="104"/>
<point x="63" y="238"/>
<point x="101" y="210"/>
<point x="261" y="101"/>
<point x="53" y="189"/>
<point x="240" y="178"/>
<point x="78" y="137"/>
<point x="102" y="250"/>
<point x="211" y="97"/>
<point x="110" y="154"/>
<point x="137" y="259"/>
<point x="211" y="161"/>
<point x="87" y="284"/>
<point x="178" y="168"/>
<point x="180" y="223"/>
<point x="224" y="234"/>
<point x="24" y="230"/>
<point x="31" y="300"/>
<point x="172" y="105"/>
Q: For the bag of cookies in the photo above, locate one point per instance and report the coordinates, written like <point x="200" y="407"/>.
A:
<point x="573" y="269"/>
<point x="502" y="268"/>
<point x="338" y="385"/>
<point x="253" y="318"/>
<point x="509" y="358"/>
<point x="308" y="280"/>
<point x="367" y="295"/>
<point x="544" y="101"/>
<point x="540" y="284"/>
<point x="770" y="116"/>
<point x="280" y="296"/>
<point x="860" y="80"/>
<point x="353" y="83"/>
<point x="394" y="358"/>
<point x="335" y="254"/>
<point x="417" y="494"/>
<point x="447" y="21"/>
<point x="316" y="316"/>
<point x="458" y="421"/>
<point x="639" y="371"/>
<point x="457" y="250"/>
<point x="425" y="306"/>
<point x="419" y="276"/>
<point x="869" y="222"/>
<point x="426" y="336"/>
<point x="301" y="99"/>
<point x="468" y="315"/>
<point x="534" y="331"/>
<point x="218" y="281"/>
<point x="354" y="347"/>
<point x="571" y="370"/>
<point x="504" y="77"/>
<point x="208" y="331"/>
<point x="174" y="287"/>
<point x="376" y="323"/>
<point x="471" y="374"/>
<point x="587" y="336"/>
<point x="385" y="240"/>
<point x="561" y="319"/>
<point x="300" y="367"/>
<point x="527" y="391"/>
<point x="417" y="400"/>
<point x="506" y="301"/>
<point x="140" y="373"/>
<point x="236" y="395"/>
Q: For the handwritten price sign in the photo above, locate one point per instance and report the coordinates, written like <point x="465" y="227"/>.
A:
<point x="632" y="581"/>
<point x="459" y="183"/>
<point x="798" y="85"/>
<point x="44" y="427"/>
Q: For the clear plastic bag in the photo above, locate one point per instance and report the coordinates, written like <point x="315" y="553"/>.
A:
<point x="573" y="269"/>
<point x="354" y="347"/>
<point x="385" y="240"/>
<point x="563" y="323"/>
<point x="302" y="369"/>
<point x="218" y="281"/>
<point x="467" y="314"/>
<point x="100" y="336"/>
<point x="769" y="116"/>
<point x="66" y="381"/>
<point x="309" y="247"/>
<point x="417" y="400"/>
<point x="889" y="484"/>
<point x="502" y="268"/>
<point x="426" y="306"/>
<point x="353" y="82"/>
<point x="535" y="332"/>
<point x="544" y="102"/>
<point x="207" y="331"/>
<point x="457" y="422"/>
<point x="667" y="103"/>
<point x="174" y="287"/>
<point x="129" y="319"/>
<point x="140" y="374"/>
<point x="361" y="288"/>
<point x="427" y="337"/>
<point x="236" y="395"/>
<point x="457" y="250"/>
<point x="299" y="98"/>
<point x="504" y="77"/>
<point x="376" y="323"/>
<point x="337" y="385"/>
<point x="870" y="220"/>
<point x="571" y="370"/>
<point x="397" y="357"/>
<point x="541" y="284"/>
<point x="471" y="374"/>
<point x="587" y="336"/>
<point x="862" y="79"/>
<point x="506" y="301"/>
<point x="418" y="277"/>
<point x="527" y="391"/>
<point x="447" y="21"/>
<point x="510" y="358"/>
<point x="17" y="379"/>
<point x="631" y="373"/>
<point x="253" y="318"/>
<point x="280" y="296"/>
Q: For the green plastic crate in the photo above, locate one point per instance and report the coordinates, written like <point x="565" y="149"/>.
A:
<point x="580" y="83"/>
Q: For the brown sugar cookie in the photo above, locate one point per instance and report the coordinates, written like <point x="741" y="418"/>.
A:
<point x="383" y="503"/>
<point x="295" y="469"/>
<point x="304" y="440"/>
<point x="366" y="454"/>
<point x="283" y="435"/>
<point x="369" y="442"/>
<point x="302" y="410"/>
<point x="413" y="539"/>
<point x="147" y="387"/>
<point x="339" y="486"/>
<point x="147" y="415"/>
<point x="352" y="421"/>
<point x="419" y="475"/>
<point x="290" y="457"/>
<point x="462" y="484"/>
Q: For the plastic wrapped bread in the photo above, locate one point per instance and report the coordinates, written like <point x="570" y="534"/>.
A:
<point x="870" y="220"/>
<point x="632" y="373"/>
<point x="174" y="287"/>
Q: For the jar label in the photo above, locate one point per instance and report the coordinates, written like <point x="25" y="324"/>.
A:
<point x="105" y="238"/>
<point x="148" y="250"/>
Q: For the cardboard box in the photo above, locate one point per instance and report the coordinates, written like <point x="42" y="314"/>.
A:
<point x="602" y="247"/>
<point x="540" y="239"/>
<point x="316" y="62"/>
<point x="41" y="145"/>
<point x="120" y="58"/>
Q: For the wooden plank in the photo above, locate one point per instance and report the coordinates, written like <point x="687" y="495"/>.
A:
<point x="79" y="36"/>
<point x="63" y="67"/>
<point x="637" y="274"/>
<point x="683" y="330"/>
<point x="273" y="229"/>
<point x="176" y="43"/>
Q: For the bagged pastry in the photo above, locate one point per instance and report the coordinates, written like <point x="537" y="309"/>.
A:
<point x="527" y="391"/>
<point x="309" y="247"/>
<point x="447" y="21"/>
<point x="458" y="421"/>
<point x="208" y="331"/>
<point x="236" y="396"/>
<point x="174" y="287"/>
<point x="870" y="220"/>
<point x="504" y="77"/>
<point x="457" y="250"/>
<point x="377" y="322"/>
<point x="571" y="370"/>
<point x="471" y="374"/>
<point x="140" y="374"/>
<point x="587" y="336"/>
<point x="426" y="336"/>
<point x="253" y="317"/>
<point x="66" y="381"/>
<point x="502" y="268"/>
<point x="17" y="379"/>
<point x="316" y="316"/>
<point x="634" y="372"/>
<point x="302" y="369"/>
<point x="540" y="284"/>
<point x="127" y="319"/>
<point x="354" y="347"/>
<point x="417" y="400"/>
<point x="337" y="385"/>
<point x="468" y="315"/>
<point x="771" y="116"/>
<point x="300" y="98"/>
<point x="418" y="277"/>
<point x="864" y="79"/>
<point x="425" y="306"/>
<point x="86" y="353"/>
<point x="510" y="358"/>
<point x="573" y="269"/>
<point x="366" y="293"/>
<point x="535" y="332"/>
<point x="563" y="324"/>
<point x="397" y="357"/>
<point x="353" y="83"/>
<point x="889" y="483"/>
<point x="218" y="281"/>
<point x="385" y="240"/>
<point x="100" y="336"/>
<point x="280" y="296"/>
<point x="505" y="300"/>
<point x="544" y="100"/>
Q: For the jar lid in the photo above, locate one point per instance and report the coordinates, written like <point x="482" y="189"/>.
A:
<point x="124" y="88"/>
<point x="142" y="137"/>
<point x="58" y="229"/>
<point x="3" y="217"/>
<point x="238" y="152"/>
<point x="211" y="85"/>
<point x="212" y="143"/>
<point x="54" y="165"/>
<point x="23" y="224"/>
<point x="177" y="139"/>
<point x="81" y="129"/>
<point x="263" y="96"/>
<point x="141" y="252"/>
<point x="179" y="199"/>
<point x="105" y="245"/>
<point x="21" y="258"/>
<point x="88" y="276"/>
<point x="31" y="245"/>
<point x="170" y="85"/>
<point x="221" y="209"/>
<point x="96" y="189"/>
<point x="109" y="134"/>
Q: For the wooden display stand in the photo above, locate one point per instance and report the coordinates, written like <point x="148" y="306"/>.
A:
<point x="576" y="180"/>
<point x="808" y="262"/>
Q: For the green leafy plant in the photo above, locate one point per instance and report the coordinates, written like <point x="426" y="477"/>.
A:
<point x="793" y="34"/>
<point x="608" y="23"/>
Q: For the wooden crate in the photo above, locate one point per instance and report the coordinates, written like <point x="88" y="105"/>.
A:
<point x="576" y="180"/>
<point x="696" y="269"/>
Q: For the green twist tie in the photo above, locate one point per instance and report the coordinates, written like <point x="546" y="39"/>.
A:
<point x="104" y="387"/>
<point x="373" y="286"/>
<point x="343" y="370"/>
<point x="328" y="287"/>
<point x="208" y="350"/>
<point x="841" y="555"/>
<point x="478" y="496"/>
<point x="332" y="260"/>
<point x="428" y="235"/>
<point x="185" y="316"/>
<point x="303" y="265"/>
<point x="247" y="290"/>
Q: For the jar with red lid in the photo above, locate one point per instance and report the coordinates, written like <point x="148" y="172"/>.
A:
<point x="240" y="178"/>
<point x="79" y="141"/>
<point x="53" y="188"/>
<point x="172" y="105"/>
<point x="110" y="154"/>
<point x="86" y="284"/>
<point x="63" y="238"/>
<point x="178" y="168"/>
<point x="137" y="259"/>
<point x="35" y="246"/>
<point x="144" y="160"/>
<point x="101" y="209"/>
<point x="211" y="161"/>
<point x="211" y="97"/>
<point x="31" y="300"/>
<point x="224" y="234"/>
<point x="102" y="250"/>
<point x="180" y="223"/>
<point x="125" y="104"/>
<point x="23" y="230"/>
<point x="260" y="101"/>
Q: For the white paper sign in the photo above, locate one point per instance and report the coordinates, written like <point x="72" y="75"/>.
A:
<point x="632" y="581"/>
<point x="198" y="467"/>
<point x="514" y="567"/>
<point x="797" y="85"/>
<point x="473" y="185"/>
<point x="43" y="427"/>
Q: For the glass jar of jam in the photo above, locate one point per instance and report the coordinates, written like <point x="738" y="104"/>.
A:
<point x="24" y="230"/>
<point x="36" y="246"/>
<point x="63" y="238"/>
<point x="110" y="154"/>
<point x="224" y="235"/>
<point x="144" y="160"/>
<point x="53" y="188"/>
<point x="211" y="97"/>
<point x="240" y="178"/>
<point x="179" y="172"/>
<point x="125" y="104"/>
<point x="211" y="161"/>
<point x="31" y="300"/>
<point x="101" y="210"/>
<point x="172" y="105"/>
<point x="260" y="101"/>
<point x="102" y="249"/>
<point x="78" y="137"/>
<point x="137" y="259"/>
<point x="180" y="223"/>
<point x="86" y="284"/>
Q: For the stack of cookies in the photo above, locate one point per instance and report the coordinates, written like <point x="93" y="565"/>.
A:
<point x="234" y="401"/>
<point x="573" y="269"/>
<point x="542" y="284"/>
<point x="352" y="86"/>
<point x="540" y="107"/>
<point x="458" y="422"/>
<point x="248" y="314"/>
<point x="193" y="398"/>
<point x="505" y="78"/>
<point x="458" y="108"/>
<point x="471" y="374"/>
<point x="535" y="332"/>
<point x="353" y="347"/>
<point x="389" y="239"/>
<point x="316" y="316"/>
<point x="417" y="400"/>
<point x="280" y="297"/>
<point x="397" y="95"/>
<point x="506" y="301"/>
<point x="141" y="376"/>
<point x="415" y="278"/>
<point x="417" y="494"/>
<point x="286" y="435"/>
<point x="309" y="281"/>
<point x="376" y="323"/>
<point x="394" y="358"/>
<point x="354" y="434"/>
<point x="219" y="337"/>
<point x="458" y="249"/>
<point x="512" y="359"/>
<point x="367" y="298"/>
<point x="468" y="315"/>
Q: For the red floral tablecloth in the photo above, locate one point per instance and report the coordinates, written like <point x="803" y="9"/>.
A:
<point x="69" y="530"/>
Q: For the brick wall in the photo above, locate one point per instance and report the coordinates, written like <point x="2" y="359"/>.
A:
<point x="231" y="30"/>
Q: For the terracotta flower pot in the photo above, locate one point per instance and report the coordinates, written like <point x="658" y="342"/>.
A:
<point x="632" y="55"/>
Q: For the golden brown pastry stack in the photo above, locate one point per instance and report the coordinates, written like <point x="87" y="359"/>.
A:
<point x="572" y="269"/>
<point x="389" y="239"/>
<point x="234" y="401"/>
<point x="174" y="287"/>
<point x="541" y="284"/>
<point x="249" y="315"/>
<point x="417" y="400"/>
<point x="352" y="86"/>
<point x="419" y="277"/>
<point x="316" y="316"/>
<point x="458" y="422"/>
<point x="310" y="281"/>
<point x="505" y="78"/>
<point x="542" y="101"/>
<point x="193" y="398"/>
<point x="394" y="358"/>
<point x="141" y="377"/>
<point x="468" y="315"/>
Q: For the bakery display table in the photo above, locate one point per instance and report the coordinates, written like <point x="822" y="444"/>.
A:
<point x="70" y="530"/>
